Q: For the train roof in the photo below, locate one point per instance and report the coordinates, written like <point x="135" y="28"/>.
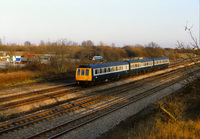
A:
<point x="101" y="65"/>
<point x="140" y="60"/>
<point x="118" y="63"/>
<point x="161" y="58"/>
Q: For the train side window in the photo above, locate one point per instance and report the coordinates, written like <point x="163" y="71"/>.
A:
<point x="100" y="70"/>
<point x="82" y="72"/>
<point x="108" y="69"/>
<point x="105" y="70"/>
<point x="78" y="72"/>
<point x="95" y="71"/>
<point x="111" y="69"/>
<point x="87" y="73"/>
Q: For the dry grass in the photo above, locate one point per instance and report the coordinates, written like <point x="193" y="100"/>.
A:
<point x="162" y="126"/>
<point x="184" y="106"/>
<point x="168" y="130"/>
<point x="17" y="77"/>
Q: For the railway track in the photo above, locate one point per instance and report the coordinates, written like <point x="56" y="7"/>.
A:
<point x="77" y="122"/>
<point x="97" y="97"/>
<point x="35" y="96"/>
<point x="33" y="93"/>
<point x="76" y="104"/>
<point x="17" y="123"/>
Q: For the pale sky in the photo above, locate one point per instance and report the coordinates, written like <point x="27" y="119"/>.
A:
<point x="123" y="22"/>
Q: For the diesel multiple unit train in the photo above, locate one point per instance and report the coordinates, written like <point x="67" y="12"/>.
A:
<point x="100" y="72"/>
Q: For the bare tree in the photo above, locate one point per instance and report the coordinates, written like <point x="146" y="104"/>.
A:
<point x="42" y="42"/>
<point x="195" y="43"/>
<point x="87" y="43"/>
<point x="27" y="43"/>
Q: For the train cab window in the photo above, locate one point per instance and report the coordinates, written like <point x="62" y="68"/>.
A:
<point x="87" y="73"/>
<point x="78" y="72"/>
<point x="82" y="72"/>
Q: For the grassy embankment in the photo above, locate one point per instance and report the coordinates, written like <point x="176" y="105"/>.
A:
<point x="184" y="106"/>
<point x="18" y="77"/>
<point x="34" y="72"/>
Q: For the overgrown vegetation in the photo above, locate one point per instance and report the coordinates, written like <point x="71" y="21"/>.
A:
<point x="65" y="55"/>
<point x="109" y="53"/>
<point x="17" y="77"/>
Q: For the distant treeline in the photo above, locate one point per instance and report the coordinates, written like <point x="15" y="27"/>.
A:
<point x="86" y="52"/>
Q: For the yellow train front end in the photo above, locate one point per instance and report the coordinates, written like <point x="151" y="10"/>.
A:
<point x="83" y="75"/>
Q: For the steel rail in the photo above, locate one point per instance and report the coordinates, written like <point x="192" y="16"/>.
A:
<point x="169" y="83"/>
<point x="90" y="99"/>
<point x="147" y="93"/>
<point x="139" y="97"/>
<point x="8" y="98"/>
<point x="37" y="98"/>
<point x="57" y="113"/>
